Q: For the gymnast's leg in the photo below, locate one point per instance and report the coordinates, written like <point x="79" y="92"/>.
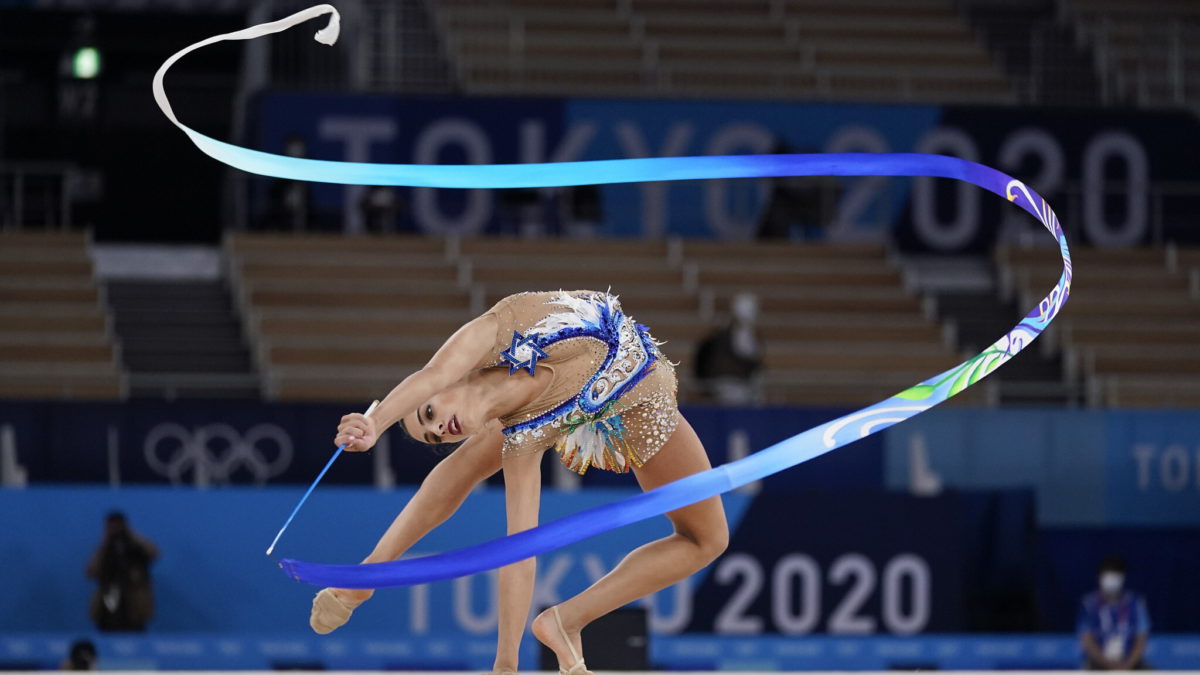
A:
<point x="701" y="534"/>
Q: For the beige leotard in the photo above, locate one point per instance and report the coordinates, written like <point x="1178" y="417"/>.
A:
<point x="611" y="402"/>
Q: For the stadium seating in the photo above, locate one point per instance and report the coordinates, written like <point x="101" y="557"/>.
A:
<point x="55" y="340"/>
<point x="1130" y="328"/>
<point x="338" y="318"/>
<point x="917" y="50"/>
<point x="1148" y="47"/>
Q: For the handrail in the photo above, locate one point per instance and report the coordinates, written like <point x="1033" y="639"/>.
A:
<point x="57" y="212"/>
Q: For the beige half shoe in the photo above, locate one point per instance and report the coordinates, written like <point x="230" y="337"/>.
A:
<point x="578" y="668"/>
<point x="328" y="613"/>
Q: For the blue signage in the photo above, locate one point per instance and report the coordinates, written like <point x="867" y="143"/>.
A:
<point x="1113" y="153"/>
<point x="842" y="563"/>
<point x="189" y="651"/>
<point x="1153" y="468"/>
<point x="1088" y="468"/>
<point x="214" y="443"/>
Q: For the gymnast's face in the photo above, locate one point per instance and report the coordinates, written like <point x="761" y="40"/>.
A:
<point x="447" y="417"/>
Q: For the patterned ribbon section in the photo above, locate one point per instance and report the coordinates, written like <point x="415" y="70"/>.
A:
<point x="783" y="455"/>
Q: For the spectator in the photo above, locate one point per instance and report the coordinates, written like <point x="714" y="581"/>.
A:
<point x="582" y="210"/>
<point x="522" y="212"/>
<point x="379" y="207"/>
<point x="798" y="207"/>
<point x="121" y="565"/>
<point x="1113" y="624"/>
<point x="729" y="359"/>
<point x="82" y="656"/>
<point x="289" y="202"/>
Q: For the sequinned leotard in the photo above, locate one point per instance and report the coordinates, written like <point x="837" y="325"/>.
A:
<point x="611" y="402"/>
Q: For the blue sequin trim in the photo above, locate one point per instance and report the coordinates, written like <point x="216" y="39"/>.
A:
<point x="651" y="357"/>
<point x="607" y="331"/>
<point x="543" y="419"/>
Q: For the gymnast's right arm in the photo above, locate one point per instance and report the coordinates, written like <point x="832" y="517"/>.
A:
<point x="442" y="492"/>
<point x="460" y="354"/>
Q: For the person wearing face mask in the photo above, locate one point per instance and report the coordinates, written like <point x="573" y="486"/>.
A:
<point x="289" y="202"/>
<point x="729" y="360"/>
<point x="1113" y="623"/>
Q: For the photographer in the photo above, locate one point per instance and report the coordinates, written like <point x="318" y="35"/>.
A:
<point x="121" y="565"/>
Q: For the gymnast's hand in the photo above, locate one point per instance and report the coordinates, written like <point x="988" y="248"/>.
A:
<point x="357" y="431"/>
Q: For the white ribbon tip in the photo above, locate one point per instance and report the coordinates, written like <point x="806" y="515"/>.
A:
<point x="329" y="34"/>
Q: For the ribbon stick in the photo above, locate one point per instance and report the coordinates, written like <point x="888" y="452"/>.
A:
<point x="336" y="453"/>
<point x="785" y="454"/>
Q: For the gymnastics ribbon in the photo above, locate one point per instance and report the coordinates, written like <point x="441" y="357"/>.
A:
<point x="783" y="455"/>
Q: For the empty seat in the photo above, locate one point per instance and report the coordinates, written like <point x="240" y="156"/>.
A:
<point x="55" y="340"/>
<point x="829" y="312"/>
<point x="852" y="49"/>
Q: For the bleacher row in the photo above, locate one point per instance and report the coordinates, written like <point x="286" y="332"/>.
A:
<point x="336" y="318"/>
<point x="346" y="319"/>
<point x="55" y="334"/>
<point x="1130" y="329"/>
<point x="918" y="50"/>
<point x="1148" y="47"/>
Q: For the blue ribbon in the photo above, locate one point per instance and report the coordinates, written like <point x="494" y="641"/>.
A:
<point x="783" y="455"/>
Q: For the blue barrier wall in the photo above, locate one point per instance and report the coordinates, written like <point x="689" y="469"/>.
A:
<point x="1089" y="468"/>
<point x="891" y="564"/>
<point x="213" y="574"/>
<point x="1031" y="500"/>
<point x="222" y="442"/>
<point x="689" y="653"/>
<point x="791" y="578"/>
<point x="835" y="561"/>
<point x="1163" y="564"/>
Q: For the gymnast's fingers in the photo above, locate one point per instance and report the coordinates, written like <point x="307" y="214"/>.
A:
<point x="355" y="442"/>
<point x="361" y="426"/>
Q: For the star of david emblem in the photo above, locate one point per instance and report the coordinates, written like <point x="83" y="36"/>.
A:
<point x="523" y="354"/>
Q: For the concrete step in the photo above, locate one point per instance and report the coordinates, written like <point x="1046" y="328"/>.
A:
<point x="174" y="336"/>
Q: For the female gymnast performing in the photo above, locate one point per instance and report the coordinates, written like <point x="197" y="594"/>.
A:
<point x="562" y="370"/>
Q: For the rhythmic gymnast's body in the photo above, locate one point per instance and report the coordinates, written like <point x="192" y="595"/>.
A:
<point x="563" y="370"/>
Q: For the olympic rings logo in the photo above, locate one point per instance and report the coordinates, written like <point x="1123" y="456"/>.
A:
<point x="215" y="453"/>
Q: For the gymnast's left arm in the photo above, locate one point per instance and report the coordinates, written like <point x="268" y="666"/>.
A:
<point x="522" y="494"/>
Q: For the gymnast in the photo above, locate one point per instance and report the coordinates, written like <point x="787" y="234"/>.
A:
<point x="562" y="370"/>
<point x="584" y="379"/>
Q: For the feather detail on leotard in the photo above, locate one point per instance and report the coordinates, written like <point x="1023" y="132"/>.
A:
<point x="595" y="440"/>
<point x="586" y="312"/>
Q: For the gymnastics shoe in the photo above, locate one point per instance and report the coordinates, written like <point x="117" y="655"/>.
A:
<point x="578" y="668"/>
<point x="328" y="613"/>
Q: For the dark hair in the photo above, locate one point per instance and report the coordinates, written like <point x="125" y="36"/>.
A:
<point x="441" y="449"/>
<point x="115" y="517"/>
<point x="1112" y="563"/>
<point x="82" y="656"/>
